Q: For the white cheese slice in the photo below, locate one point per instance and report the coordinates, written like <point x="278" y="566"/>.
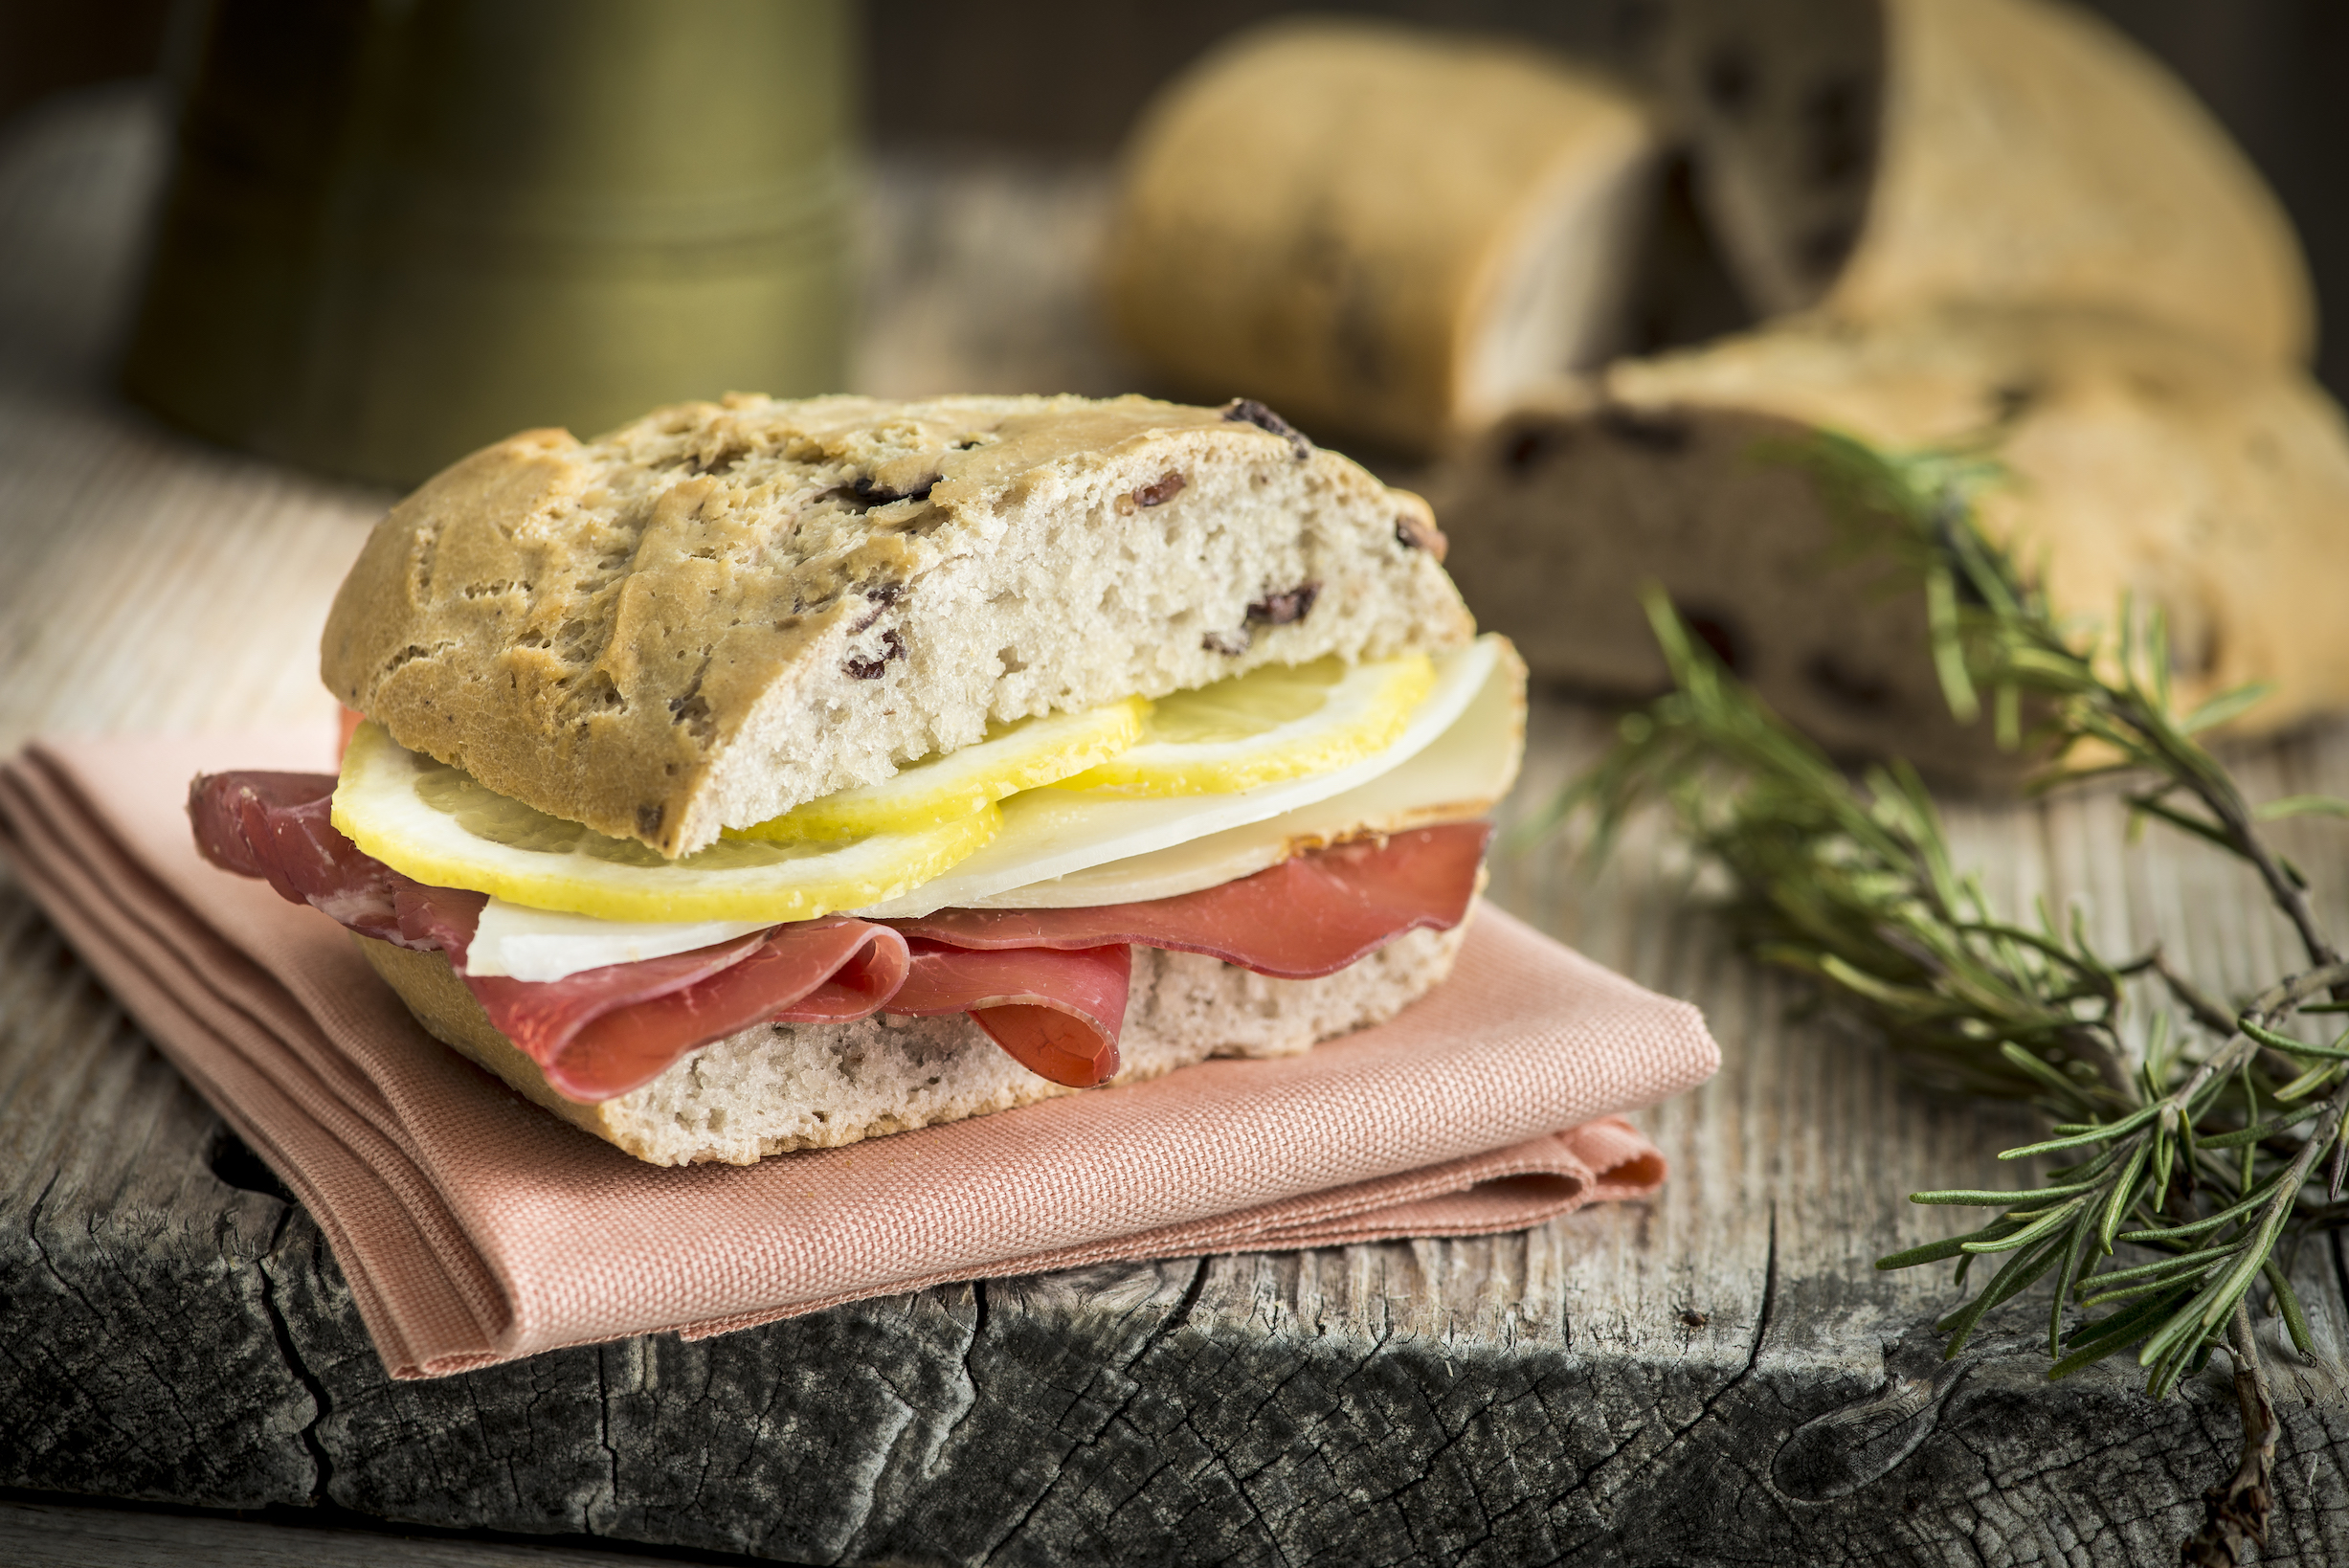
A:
<point x="518" y="942"/>
<point x="1068" y="848"/>
<point x="1457" y="780"/>
<point x="1049" y="835"/>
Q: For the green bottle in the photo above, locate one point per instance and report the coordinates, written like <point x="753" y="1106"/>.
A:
<point x="396" y="232"/>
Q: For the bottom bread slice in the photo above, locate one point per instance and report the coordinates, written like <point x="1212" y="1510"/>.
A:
<point x="778" y="1087"/>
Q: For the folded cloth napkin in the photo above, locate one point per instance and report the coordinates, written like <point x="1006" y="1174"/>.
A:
<point x="476" y="1228"/>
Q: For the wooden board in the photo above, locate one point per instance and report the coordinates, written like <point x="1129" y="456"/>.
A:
<point x="1717" y="1376"/>
<point x="54" y="1535"/>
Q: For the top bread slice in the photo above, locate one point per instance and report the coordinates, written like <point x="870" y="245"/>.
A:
<point x="723" y="610"/>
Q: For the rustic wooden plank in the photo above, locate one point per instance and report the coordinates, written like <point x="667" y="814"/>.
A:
<point x="138" y="1358"/>
<point x="1718" y="1374"/>
<point x="1256" y="1402"/>
<point x="49" y="1535"/>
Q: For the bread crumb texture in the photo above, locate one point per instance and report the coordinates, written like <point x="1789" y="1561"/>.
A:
<point x="778" y="1087"/>
<point x="724" y="609"/>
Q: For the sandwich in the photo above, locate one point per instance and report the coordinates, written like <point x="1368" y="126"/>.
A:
<point x="772" y="774"/>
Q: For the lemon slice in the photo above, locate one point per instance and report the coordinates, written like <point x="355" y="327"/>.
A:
<point x="439" y="825"/>
<point x="1282" y="721"/>
<point x="1013" y="757"/>
<point x="1052" y="835"/>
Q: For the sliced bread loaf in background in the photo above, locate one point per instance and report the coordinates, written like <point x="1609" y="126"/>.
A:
<point x="1868" y="157"/>
<point x="1384" y="233"/>
<point x="2138" y="460"/>
<point x="1993" y="221"/>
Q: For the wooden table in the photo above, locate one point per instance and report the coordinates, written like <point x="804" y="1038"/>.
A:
<point x="1715" y="1377"/>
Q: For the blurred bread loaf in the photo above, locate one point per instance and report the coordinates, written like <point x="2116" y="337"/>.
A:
<point x="2139" y="459"/>
<point x="1868" y="157"/>
<point x="1384" y="233"/>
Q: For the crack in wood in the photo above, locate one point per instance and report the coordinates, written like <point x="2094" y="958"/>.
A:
<point x="143" y="1440"/>
<point x="1150" y="1342"/>
<point x="603" y="1439"/>
<point x="283" y="1336"/>
<point x="969" y="1374"/>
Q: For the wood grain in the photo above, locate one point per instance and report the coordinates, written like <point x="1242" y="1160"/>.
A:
<point x="50" y="1536"/>
<point x="1716" y="1376"/>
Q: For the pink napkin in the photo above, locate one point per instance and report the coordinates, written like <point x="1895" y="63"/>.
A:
<point x="476" y="1228"/>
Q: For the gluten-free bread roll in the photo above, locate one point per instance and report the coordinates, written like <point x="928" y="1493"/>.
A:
<point x="1384" y="233"/>
<point x="1870" y="157"/>
<point x="707" y="617"/>
<point x="2138" y="460"/>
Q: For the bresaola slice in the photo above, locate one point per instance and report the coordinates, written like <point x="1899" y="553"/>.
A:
<point x="597" y="1033"/>
<point x="1309" y="916"/>
<point x="279" y="827"/>
<point x="1049" y="986"/>
<point x="442" y="918"/>
<point x="1057" y="1012"/>
<point x="606" y="1031"/>
<point x="628" y="1023"/>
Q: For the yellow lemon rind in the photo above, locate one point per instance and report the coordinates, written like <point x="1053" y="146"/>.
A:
<point x="1364" y="715"/>
<point x="1033" y="753"/>
<point x="378" y="807"/>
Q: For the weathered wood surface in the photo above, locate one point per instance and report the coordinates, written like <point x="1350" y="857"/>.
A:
<point x="49" y="1534"/>
<point x="1716" y="1377"/>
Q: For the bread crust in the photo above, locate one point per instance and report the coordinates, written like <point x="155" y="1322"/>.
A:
<point x="723" y="610"/>
<point x="774" y="1088"/>
<point x="2033" y="152"/>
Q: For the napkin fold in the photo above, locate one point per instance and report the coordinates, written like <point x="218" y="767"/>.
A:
<point x="476" y="1228"/>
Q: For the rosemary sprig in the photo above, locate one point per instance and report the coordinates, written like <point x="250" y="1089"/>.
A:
<point x="2199" y="1153"/>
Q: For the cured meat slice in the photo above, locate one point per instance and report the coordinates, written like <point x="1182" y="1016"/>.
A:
<point x="437" y="917"/>
<point x="279" y="827"/>
<point x="1311" y="915"/>
<point x="1057" y="1012"/>
<point x="606" y="1031"/>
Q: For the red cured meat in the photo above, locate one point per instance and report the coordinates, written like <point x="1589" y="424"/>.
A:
<point x="595" y="1034"/>
<point x="279" y="827"/>
<point x="1057" y="1012"/>
<point x="1311" y="915"/>
<point x="444" y="918"/>
<point x="606" y="1031"/>
<point x="1049" y="985"/>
